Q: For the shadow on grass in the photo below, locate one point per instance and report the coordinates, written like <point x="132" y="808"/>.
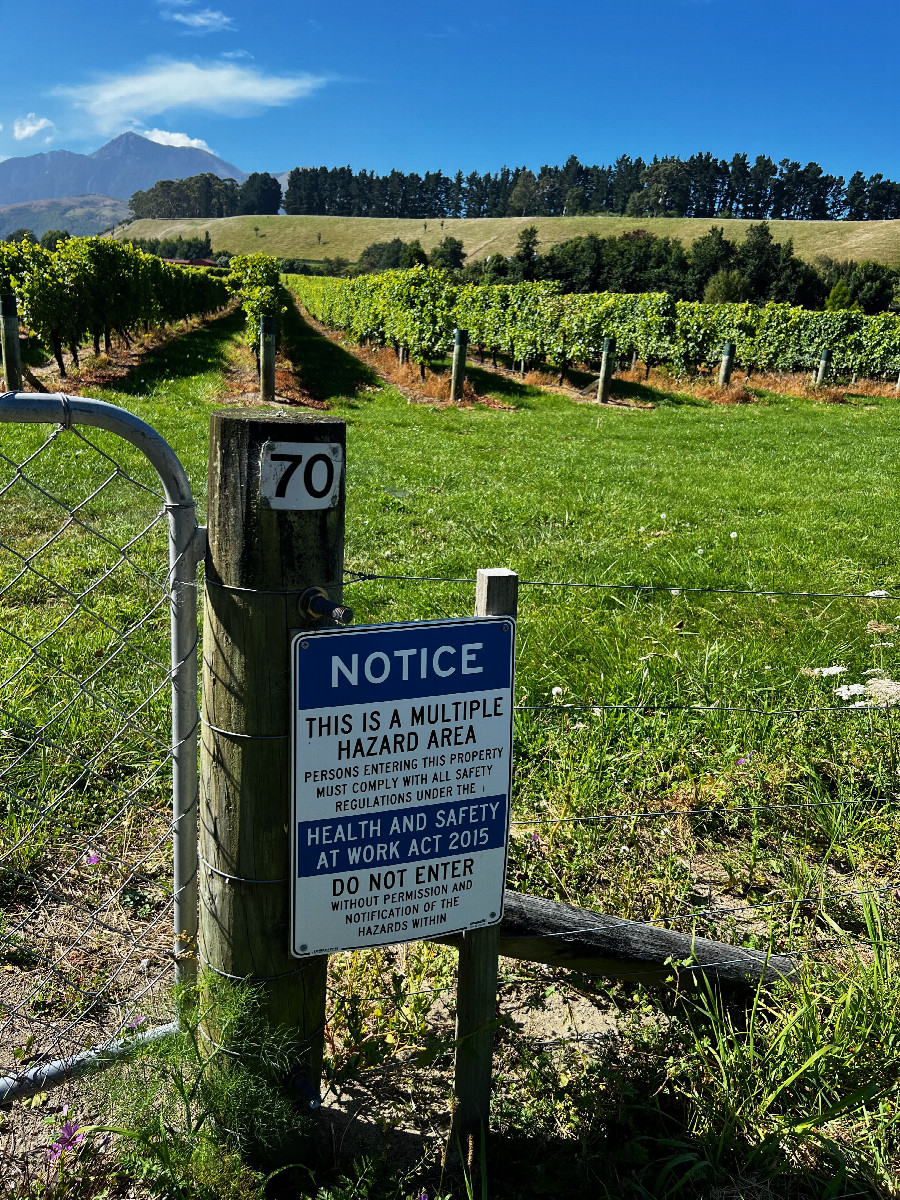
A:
<point x="325" y="370"/>
<point x="626" y="389"/>
<point x="204" y="348"/>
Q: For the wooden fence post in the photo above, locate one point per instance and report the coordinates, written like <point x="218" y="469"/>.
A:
<point x="823" y="368"/>
<point x="607" y="366"/>
<point x="9" y="339"/>
<point x="267" y="359"/>
<point x="458" y="375"/>
<point x="260" y="560"/>
<point x="727" y="364"/>
<point x="496" y="595"/>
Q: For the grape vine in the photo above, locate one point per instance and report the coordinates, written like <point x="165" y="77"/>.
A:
<point x="420" y="307"/>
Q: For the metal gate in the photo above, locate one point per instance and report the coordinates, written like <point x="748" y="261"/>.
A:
<point x="99" y="546"/>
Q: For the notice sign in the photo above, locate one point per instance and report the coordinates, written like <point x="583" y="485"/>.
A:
<point x="402" y="736"/>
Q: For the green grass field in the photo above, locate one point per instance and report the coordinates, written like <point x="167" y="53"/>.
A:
<point x="346" y="237"/>
<point x="756" y="815"/>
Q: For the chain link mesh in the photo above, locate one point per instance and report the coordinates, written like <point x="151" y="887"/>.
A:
<point x="85" y="737"/>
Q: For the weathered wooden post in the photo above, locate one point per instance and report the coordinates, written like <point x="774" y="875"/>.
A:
<point x="823" y="368"/>
<point x="267" y="359"/>
<point x="496" y="595"/>
<point x="9" y="340"/>
<point x="607" y="366"/>
<point x="458" y="375"/>
<point x="727" y="364"/>
<point x="276" y="529"/>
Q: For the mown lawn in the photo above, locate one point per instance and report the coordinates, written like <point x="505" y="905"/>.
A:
<point x="729" y="795"/>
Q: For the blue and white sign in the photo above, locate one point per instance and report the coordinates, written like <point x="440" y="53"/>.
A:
<point x="402" y="741"/>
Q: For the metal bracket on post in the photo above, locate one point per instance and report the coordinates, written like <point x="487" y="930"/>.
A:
<point x="316" y="605"/>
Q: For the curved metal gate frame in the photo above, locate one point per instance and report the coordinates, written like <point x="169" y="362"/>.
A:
<point x="187" y="544"/>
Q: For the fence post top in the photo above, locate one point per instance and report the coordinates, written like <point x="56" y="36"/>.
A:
<point x="291" y="422"/>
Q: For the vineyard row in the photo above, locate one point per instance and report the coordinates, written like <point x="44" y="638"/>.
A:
<point x="90" y="287"/>
<point x="532" y="322"/>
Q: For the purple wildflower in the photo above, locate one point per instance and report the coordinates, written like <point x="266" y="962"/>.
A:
<point x="742" y="761"/>
<point x="69" y="1137"/>
<point x="92" y="858"/>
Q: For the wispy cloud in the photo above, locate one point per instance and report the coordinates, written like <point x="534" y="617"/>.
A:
<point x="127" y="98"/>
<point x="238" y="54"/>
<point x="164" y="138"/>
<point x="27" y="127"/>
<point x="197" y="20"/>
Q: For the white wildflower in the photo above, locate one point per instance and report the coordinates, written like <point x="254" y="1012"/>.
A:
<point x="877" y="595"/>
<point x="825" y="671"/>
<point x="885" y="692"/>
<point x="846" y="690"/>
<point x="676" y="591"/>
<point x="662" y="516"/>
<point x="732" y="534"/>
<point x="699" y="549"/>
<point x="874" y="671"/>
<point x="557" y="691"/>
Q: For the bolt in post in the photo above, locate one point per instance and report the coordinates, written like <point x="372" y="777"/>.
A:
<point x="458" y="376"/>
<point x="260" y="561"/>
<point x="9" y="338"/>
<point x="824" y="365"/>
<point x="267" y="359"/>
<point x="727" y="364"/>
<point x="607" y="366"/>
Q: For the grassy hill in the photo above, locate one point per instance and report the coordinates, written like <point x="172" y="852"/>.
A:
<point x="345" y="237"/>
<point x="81" y="215"/>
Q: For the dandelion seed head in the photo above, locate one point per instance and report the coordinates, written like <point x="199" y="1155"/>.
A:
<point x="732" y="534"/>
<point x="557" y="691"/>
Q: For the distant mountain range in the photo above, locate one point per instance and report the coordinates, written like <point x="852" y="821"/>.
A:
<point x="127" y="164"/>
<point x="80" y="215"/>
<point x="90" y="192"/>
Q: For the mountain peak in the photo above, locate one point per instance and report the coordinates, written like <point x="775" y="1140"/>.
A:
<point x="127" y="164"/>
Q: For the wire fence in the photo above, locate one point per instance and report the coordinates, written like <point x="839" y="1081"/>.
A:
<point x="88" y="588"/>
<point x="87" y="750"/>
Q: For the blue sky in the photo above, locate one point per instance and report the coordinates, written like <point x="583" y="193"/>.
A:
<point x="283" y="83"/>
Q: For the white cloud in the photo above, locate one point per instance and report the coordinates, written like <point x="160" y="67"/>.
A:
<point x="236" y="54"/>
<point x="164" y="138"/>
<point x="117" y="101"/>
<point x="26" y="127"/>
<point x="198" y="20"/>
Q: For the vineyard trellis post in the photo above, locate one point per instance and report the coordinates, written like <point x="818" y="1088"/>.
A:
<point x="262" y="557"/>
<point x="496" y="595"/>
<point x="458" y="375"/>
<point x="823" y="367"/>
<point x="727" y="366"/>
<point x="267" y="359"/>
<point x="607" y="366"/>
<point x="9" y="339"/>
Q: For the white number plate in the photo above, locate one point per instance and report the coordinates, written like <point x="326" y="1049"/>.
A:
<point x="301" y="474"/>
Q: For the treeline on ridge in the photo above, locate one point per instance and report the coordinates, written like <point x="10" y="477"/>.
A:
<point x="699" y="186"/>
<point x="714" y="268"/>
<point x="208" y="196"/>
